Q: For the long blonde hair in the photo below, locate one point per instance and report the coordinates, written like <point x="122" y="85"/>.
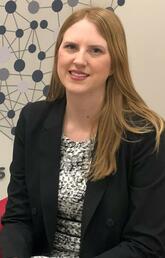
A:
<point x="122" y="103"/>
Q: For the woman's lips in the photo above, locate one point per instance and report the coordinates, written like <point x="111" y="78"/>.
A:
<point x="78" y="75"/>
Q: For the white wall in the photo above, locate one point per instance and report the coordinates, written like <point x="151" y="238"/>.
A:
<point x="144" y="23"/>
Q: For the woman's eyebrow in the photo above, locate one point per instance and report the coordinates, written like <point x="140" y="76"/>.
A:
<point x="90" y="45"/>
<point x="70" y="42"/>
<point x="97" y="46"/>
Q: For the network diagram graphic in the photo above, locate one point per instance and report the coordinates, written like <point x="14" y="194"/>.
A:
<point x="28" y="31"/>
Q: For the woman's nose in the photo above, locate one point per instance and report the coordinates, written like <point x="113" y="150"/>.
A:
<point x="80" y="58"/>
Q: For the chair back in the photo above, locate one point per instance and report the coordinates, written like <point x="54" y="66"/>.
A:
<point x="2" y="209"/>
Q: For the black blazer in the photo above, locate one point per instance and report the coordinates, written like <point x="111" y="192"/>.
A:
<point x="123" y="214"/>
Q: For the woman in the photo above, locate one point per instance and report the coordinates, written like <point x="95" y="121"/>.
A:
<point x="88" y="169"/>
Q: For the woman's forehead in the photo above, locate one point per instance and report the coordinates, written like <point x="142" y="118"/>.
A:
<point x="84" y="30"/>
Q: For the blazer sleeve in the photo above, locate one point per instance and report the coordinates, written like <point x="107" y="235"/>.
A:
<point x="16" y="236"/>
<point x="144" y="233"/>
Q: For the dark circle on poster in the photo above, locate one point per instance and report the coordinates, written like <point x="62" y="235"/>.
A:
<point x="4" y="74"/>
<point x="41" y="55"/>
<point x="19" y="65"/>
<point x="11" y="114"/>
<point x="10" y="7"/>
<point x="32" y="48"/>
<point x="44" y="24"/>
<point x="34" y="25"/>
<point x="2" y="97"/>
<point x="2" y="30"/>
<point x="121" y="2"/>
<point x="13" y="130"/>
<point x="46" y="90"/>
<point x="19" y="33"/>
<point x="57" y="5"/>
<point x="72" y="3"/>
<point x="37" y="76"/>
<point x="33" y="7"/>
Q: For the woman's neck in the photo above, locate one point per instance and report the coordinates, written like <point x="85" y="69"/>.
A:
<point x="80" y="121"/>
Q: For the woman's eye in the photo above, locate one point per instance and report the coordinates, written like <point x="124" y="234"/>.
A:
<point x="70" y="46"/>
<point x="96" y="51"/>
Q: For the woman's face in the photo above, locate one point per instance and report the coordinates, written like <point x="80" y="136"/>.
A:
<point x="84" y="62"/>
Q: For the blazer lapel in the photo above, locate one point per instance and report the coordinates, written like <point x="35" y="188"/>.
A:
<point x="50" y="141"/>
<point x="94" y="193"/>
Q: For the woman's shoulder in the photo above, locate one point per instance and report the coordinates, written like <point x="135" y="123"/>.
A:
<point x="140" y="128"/>
<point x="38" y="108"/>
<point x="35" y="114"/>
<point x="144" y="142"/>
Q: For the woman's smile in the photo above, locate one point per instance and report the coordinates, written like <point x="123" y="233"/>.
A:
<point x="78" y="75"/>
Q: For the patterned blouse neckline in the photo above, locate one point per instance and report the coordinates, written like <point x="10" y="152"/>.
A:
<point x="66" y="138"/>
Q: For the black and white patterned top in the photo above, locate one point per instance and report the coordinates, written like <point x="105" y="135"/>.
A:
<point x="75" y="164"/>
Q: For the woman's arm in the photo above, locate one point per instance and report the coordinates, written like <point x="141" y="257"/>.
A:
<point x="16" y="236"/>
<point x="144" y="234"/>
